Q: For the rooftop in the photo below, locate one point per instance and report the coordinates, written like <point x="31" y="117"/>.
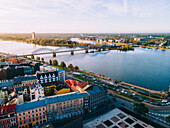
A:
<point x="64" y="97"/>
<point x="94" y="89"/>
<point x="116" y="119"/>
<point x="30" y="105"/>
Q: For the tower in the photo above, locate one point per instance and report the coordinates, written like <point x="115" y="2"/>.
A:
<point x="33" y="35"/>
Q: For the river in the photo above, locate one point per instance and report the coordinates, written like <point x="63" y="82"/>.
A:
<point x="148" y="68"/>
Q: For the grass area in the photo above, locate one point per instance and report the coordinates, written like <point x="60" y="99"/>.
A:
<point x="130" y="97"/>
<point x="82" y="78"/>
<point x="122" y="98"/>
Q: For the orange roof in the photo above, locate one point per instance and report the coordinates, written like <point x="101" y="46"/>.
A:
<point x="83" y="84"/>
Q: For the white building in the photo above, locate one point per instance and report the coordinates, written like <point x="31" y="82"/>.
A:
<point x="50" y="74"/>
<point x="36" y="92"/>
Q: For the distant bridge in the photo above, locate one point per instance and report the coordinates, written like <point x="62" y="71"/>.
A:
<point x="42" y="51"/>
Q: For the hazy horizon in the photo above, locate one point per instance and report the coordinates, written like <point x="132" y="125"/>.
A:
<point x="85" y="16"/>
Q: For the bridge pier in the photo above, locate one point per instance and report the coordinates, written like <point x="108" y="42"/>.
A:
<point x="86" y="51"/>
<point x="72" y="52"/>
<point x="54" y="54"/>
<point x="32" y="56"/>
<point x="92" y="51"/>
<point x="98" y="49"/>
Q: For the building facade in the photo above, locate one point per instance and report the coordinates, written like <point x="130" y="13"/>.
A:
<point x="65" y="105"/>
<point x="31" y="114"/>
<point x="7" y="116"/>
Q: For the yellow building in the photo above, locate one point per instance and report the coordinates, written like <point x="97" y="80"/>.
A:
<point x="61" y="91"/>
<point x="49" y="90"/>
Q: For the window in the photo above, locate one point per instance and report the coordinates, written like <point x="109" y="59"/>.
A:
<point x="40" y="109"/>
<point x="20" y="123"/>
<point x="32" y="111"/>
<point x="29" y="112"/>
<point x="29" y="120"/>
<point x="23" y="113"/>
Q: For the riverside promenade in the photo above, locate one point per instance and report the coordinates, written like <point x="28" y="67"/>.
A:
<point x="142" y="88"/>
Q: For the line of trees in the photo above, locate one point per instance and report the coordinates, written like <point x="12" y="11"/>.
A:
<point x="63" y="65"/>
<point x="53" y="42"/>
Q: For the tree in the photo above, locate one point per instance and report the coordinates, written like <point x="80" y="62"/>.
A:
<point x="168" y="119"/>
<point x="42" y="59"/>
<point x="116" y="81"/>
<point x="76" y="67"/>
<point x="50" y="62"/>
<point x="140" y="109"/>
<point x="55" y="62"/>
<point x="62" y="64"/>
<point x="163" y="47"/>
<point x="38" y="58"/>
<point x="70" y="66"/>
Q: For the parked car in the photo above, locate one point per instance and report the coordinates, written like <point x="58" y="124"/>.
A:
<point x="114" y="99"/>
<point x="164" y="101"/>
<point x="163" y="104"/>
<point x="123" y="104"/>
<point x="168" y="103"/>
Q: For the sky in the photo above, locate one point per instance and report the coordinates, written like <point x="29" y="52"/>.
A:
<point x="84" y="16"/>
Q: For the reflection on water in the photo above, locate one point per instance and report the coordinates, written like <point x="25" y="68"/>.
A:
<point x="145" y="67"/>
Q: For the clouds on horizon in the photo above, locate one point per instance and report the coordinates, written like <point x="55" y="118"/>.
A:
<point x="77" y="13"/>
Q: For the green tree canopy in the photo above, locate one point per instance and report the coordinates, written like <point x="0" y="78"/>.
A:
<point x="42" y="59"/>
<point x="116" y="81"/>
<point x="50" y="62"/>
<point x="76" y="67"/>
<point x="70" y="66"/>
<point x="62" y="64"/>
<point x="38" y="58"/>
<point x="140" y="109"/>
<point x="55" y="62"/>
<point x="168" y="119"/>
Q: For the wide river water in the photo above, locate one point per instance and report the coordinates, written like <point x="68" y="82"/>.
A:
<point x="148" y="68"/>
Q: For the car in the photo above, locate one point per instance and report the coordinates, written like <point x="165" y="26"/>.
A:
<point x="47" y="126"/>
<point x="163" y="104"/>
<point x="168" y="103"/>
<point x="114" y="99"/>
<point x="152" y="101"/>
<point x="123" y="104"/>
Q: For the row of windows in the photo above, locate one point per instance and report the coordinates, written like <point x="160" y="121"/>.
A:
<point x="37" y="110"/>
<point x="66" y="102"/>
<point x="32" y="120"/>
<point x="29" y="116"/>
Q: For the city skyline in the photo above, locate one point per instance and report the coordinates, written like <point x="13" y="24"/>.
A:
<point x="85" y="16"/>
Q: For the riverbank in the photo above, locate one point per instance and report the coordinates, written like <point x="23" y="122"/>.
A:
<point x="149" y="47"/>
<point x="6" y="55"/>
<point x="142" y="88"/>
